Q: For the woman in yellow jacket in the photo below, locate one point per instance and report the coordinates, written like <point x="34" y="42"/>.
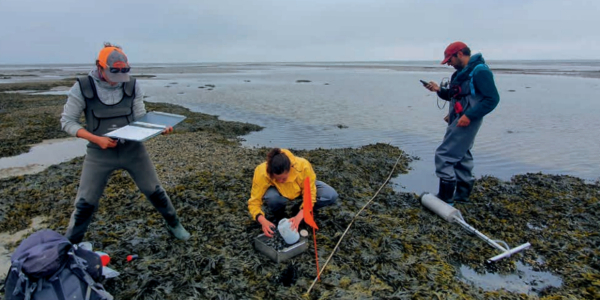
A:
<point x="281" y="179"/>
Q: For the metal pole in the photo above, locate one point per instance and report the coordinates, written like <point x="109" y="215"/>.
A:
<point x="479" y="234"/>
<point x="509" y="252"/>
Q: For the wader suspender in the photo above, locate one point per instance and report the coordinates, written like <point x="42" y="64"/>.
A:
<point x="88" y="90"/>
<point x="96" y="111"/>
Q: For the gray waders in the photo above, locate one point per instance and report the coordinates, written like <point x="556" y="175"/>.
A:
<point x="453" y="158"/>
<point x="128" y="155"/>
<point x="97" y="168"/>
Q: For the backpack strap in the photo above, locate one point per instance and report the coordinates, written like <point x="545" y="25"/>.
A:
<point x="129" y="87"/>
<point x="30" y="289"/>
<point x="87" y="90"/>
<point x="22" y="280"/>
<point x="80" y="265"/>
<point x="477" y="67"/>
<point x="58" y="289"/>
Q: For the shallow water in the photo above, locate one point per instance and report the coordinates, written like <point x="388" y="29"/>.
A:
<point x="525" y="280"/>
<point x="41" y="156"/>
<point x="543" y="123"/>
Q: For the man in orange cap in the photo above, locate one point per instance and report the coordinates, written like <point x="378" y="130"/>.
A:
<point x="472" y="94"/>
<point x="110" y="99"/>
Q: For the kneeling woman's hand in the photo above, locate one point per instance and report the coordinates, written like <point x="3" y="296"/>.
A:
<point x="297" y="220"/>
<point x="267" y="227"/>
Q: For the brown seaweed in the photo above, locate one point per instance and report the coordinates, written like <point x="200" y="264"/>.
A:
<point x="395" y="250"/>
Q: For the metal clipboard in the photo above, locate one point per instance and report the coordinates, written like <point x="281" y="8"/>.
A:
<point x="147" y="127"/>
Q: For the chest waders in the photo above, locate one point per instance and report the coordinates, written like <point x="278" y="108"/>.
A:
<point x="102" y="118"/>
<point x="100" y="163"/>
<point x="453" y="158"/>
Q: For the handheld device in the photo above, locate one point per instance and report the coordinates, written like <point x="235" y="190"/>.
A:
<point x="424" y="82"/>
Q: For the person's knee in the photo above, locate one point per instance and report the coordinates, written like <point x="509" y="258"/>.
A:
<point x="327" y="199"/>
<point x="273" y="199"/>
<point x="332" y="197"/>
<point x="330" y="194"/>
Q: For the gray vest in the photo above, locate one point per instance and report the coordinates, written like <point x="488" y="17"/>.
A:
<point x="101" y="118"/>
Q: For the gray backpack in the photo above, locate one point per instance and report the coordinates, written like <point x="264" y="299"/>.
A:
<point x="47" y="266"/>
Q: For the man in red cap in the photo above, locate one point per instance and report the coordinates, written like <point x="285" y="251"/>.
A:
<point x="472" y="94"/>
<point x="110" y="99"/>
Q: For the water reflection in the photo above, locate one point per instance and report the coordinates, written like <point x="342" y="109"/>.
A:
<point x="525" y="280"/>
<point x="41" y="156"/>
<point x="532" y="130"/>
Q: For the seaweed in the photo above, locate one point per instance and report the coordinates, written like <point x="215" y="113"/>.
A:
<point x="395" y="250"/>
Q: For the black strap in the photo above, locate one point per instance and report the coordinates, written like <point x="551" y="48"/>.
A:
<point x="129" y="87"/>
<point x="86" y="86"/>
<point x="58" y="289"/>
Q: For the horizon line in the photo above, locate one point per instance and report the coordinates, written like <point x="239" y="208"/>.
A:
<point x="315" y="61"/>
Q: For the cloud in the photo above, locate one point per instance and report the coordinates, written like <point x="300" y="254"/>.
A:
<point x="69" y="31"/>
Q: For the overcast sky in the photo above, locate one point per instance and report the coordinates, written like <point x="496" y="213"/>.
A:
<point x="73" y="31"/>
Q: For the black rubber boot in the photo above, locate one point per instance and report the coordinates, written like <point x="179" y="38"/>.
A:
<point x="463" y="191"/>
<point x="446" y="192"/>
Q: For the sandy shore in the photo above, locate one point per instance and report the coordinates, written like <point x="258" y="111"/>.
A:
<point x="396" y="249"/>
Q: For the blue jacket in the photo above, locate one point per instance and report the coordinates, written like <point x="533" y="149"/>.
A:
<point x="483" y="83"/>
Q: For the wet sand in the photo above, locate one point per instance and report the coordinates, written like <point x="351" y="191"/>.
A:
<point x="395" y="250"/>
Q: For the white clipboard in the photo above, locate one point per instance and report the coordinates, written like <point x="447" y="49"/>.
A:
<point x="147" y="127"/>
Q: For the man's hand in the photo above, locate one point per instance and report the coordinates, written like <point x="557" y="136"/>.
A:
<point x="105" y="142"/>
<point x="432" y="86"/>
<point x="168" y="130"/>
<point x="267" y="227"/>
<point x="463" y="121"/>
<point x="295" y="221"/>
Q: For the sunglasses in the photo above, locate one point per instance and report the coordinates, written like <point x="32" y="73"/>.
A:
<point x="117" y="70"/>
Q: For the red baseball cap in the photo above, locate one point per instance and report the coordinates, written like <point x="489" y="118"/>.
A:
<point x="113" y="57"/>
<point x="453" y="49"/>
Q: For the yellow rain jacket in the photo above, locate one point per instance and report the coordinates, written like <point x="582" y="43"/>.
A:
<point x="293" y="188"/>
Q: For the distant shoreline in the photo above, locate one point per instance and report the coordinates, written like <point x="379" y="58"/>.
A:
<point x="572" y="73"/>
<point x="40" y="72"/>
